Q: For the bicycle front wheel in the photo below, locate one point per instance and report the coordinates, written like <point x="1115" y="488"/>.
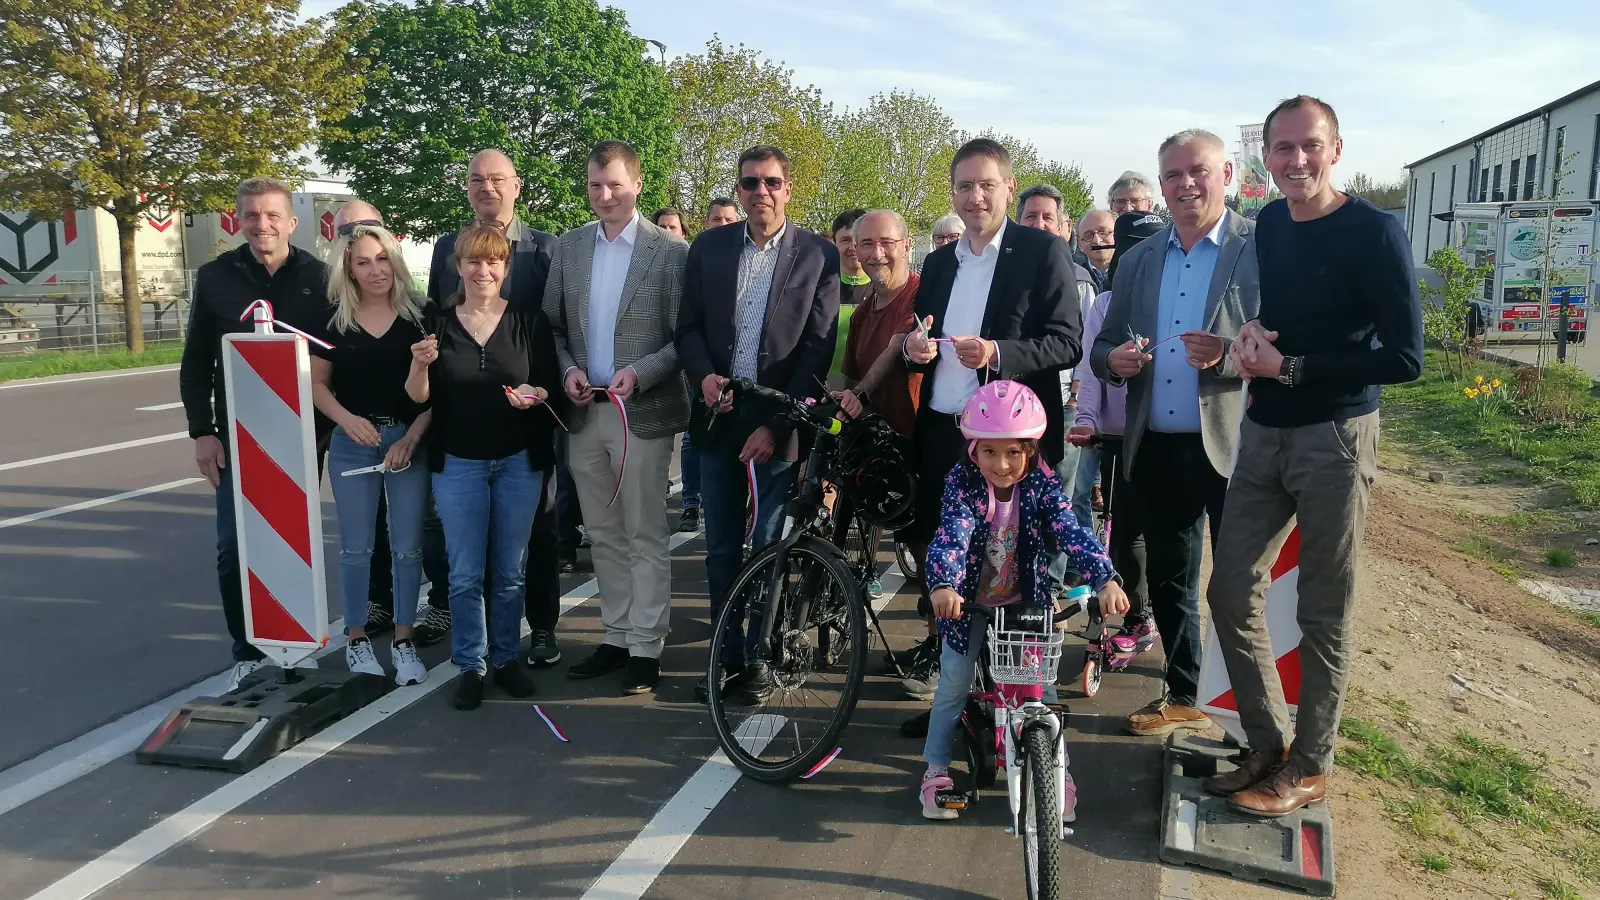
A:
<point x="816" y="661"/>
<point x="1040" y="826"/>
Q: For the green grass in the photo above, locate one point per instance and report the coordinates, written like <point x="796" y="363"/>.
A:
<point x="67" y="362"/>
<point x="1560" y="558"/>
<point x="1556" y="889"/>
<point x="1436" y="862"/>
<point x="1433" y="416"/>
<point x="1496" y="555"/>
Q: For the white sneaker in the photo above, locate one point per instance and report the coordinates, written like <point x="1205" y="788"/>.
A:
<point x="241" y="669"/>
<point x="359" y="657"/>
<point x="408" y="669"/>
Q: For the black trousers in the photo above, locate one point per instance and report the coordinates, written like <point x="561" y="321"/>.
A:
<point x="1127" y="539"/>
<point x="1175" y="489"/>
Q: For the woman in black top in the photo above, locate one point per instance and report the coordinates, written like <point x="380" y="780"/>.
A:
<point x="361" y="385"/>
<point x="486" y="369"/>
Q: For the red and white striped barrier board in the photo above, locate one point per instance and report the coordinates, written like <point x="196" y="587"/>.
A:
<point x="276" y="496"/>
<point x="1283" y="602"/>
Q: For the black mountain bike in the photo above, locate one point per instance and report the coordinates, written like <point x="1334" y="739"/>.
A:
<point x="804" y="615"/>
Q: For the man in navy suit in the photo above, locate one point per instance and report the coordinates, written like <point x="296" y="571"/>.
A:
<point x="760" y="302"/>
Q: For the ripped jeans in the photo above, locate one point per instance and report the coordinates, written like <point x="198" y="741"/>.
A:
<point x="356" y="499"/>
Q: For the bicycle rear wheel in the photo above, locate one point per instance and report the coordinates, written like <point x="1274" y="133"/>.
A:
<point x="910" y="566"/>
<point x="817" y="664"/>
<point x="1040" y="825"/>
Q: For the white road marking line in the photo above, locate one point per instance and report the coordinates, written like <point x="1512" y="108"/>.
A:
<point x="159" y="407"/>
<point x="91" y="451"/>
<point x="68" y="379"/>
<point x="93" y="877"/>
<point x="102" y="501"/>
<point x="653" y="848"/>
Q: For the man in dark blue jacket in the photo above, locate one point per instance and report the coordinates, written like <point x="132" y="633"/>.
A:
<point x="760" y="302"/>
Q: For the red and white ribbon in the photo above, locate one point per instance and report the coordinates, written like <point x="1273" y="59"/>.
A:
<point x="281" y="324"/>
<point x="560" y="735"/>
<point x="621" y="469"/>
<point x="512" y="392"/>
<point x="824" y="764"/>
<point x="755" y="500"/>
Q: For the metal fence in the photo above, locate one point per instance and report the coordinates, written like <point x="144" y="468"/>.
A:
<point x="84" y="311"/>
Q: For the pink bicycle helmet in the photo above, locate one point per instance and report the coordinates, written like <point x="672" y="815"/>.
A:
<point x="1000" y="410"/>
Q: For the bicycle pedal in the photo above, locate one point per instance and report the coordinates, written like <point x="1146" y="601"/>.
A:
<point x="951" y="799"/>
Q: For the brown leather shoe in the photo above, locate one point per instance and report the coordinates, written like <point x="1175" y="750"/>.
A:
<point x="1282" y="792"/>
<point x="1161" y="717"/>
<point x="1256" y="765"/>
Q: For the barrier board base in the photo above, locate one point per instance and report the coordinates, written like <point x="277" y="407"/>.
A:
<point x="1199" y="829"/>
<point x="263" y="717"/>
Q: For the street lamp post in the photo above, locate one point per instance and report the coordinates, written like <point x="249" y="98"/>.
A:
<point x="661" y="47"/>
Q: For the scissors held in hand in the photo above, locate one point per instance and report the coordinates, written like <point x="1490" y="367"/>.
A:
<point x="380" y="468"/>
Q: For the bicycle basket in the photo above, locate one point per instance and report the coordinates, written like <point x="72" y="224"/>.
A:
<point x="1024" y="647"/>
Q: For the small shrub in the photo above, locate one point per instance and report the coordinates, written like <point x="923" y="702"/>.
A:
<point x="1438" y="862"/>
<point x="1556" y="889"/>
<point x="1560" y="557"/>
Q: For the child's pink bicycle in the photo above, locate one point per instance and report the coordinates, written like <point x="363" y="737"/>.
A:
<point x="1006" y="724"/>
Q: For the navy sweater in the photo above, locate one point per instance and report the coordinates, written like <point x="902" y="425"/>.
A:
<point x="1341" y="292"/>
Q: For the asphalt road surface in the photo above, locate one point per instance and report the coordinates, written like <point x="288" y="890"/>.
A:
<point x="109" y="617"/>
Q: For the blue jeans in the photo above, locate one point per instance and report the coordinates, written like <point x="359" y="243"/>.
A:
<point x="487" y="507"/>
<point x="1083" y="483"/>
<point x="356" y="499"/>
<point x="956" y="672"/>
<point x="725" y="494"/>
<point x="689" y="467"/>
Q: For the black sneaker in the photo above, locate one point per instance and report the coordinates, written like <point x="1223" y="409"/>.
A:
<point x="432" y="627"/>
<point x="903" y="660"/>
<point x="569" y="564"/>
<point x="758" y="684"/>
<point x="916" y="726"/>
<point x="469" y="691"/>
<point x="732" y="677"/>
<point x="604" y="660"/>
<point x="513" y="680"/>
<point x="379" y="619"/>
<point x="923" y="679"/>
<point x="690" y="520"/>
<point x="583" y="538"/>
<point x="542" y="649"/>
<point x="641" y="675"/>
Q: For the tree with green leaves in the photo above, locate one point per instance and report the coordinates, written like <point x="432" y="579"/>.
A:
<point x="911" y="141"/>
<point x="1444" y="308"/>
<point x="1030" y="167"/>
<point x="1391" y="195"/>
<point x="542" y="80"/>
<point x="129" y="105"/>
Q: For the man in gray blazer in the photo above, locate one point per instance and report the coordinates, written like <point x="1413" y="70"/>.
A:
<point x="612" y="300"/>
<point x="1177" y="302"/>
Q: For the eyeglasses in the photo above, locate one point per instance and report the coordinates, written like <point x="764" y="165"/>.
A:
<point x="751" y="182"/>
<point x="1103" y="234"/>
<point x="349" y="228"/>
<point x="951" y="238"/>
<point x="494" y="181"/>
<point x="870" y="247"/>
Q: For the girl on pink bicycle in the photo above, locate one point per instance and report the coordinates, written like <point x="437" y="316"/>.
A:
<point x="1004" y="518"/>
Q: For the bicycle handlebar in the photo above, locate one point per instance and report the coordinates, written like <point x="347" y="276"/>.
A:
<point x="819" y="416"/>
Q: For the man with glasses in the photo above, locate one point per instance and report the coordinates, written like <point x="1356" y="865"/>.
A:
<point x="760" y="302"/>
<point x="1096" y="239"/>
<point x="1131" y="192"/>
<point x="492" y="189"/>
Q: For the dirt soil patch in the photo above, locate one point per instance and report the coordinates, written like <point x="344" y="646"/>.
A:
<point x="1475" y="707"/>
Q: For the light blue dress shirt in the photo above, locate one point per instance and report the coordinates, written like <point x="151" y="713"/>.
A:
<point x="1181" y="307"/>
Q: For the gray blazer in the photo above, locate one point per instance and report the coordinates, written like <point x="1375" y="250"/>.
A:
<point x="1234" y="299"/>
<point x="647" y="317"/>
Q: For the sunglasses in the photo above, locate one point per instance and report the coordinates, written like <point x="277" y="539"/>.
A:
<point x="751" y="182"/>
<point x="349" y="228"/>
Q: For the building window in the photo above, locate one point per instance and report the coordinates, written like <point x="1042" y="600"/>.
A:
<point x="1411" y="208"/>
<point x="1498" y="195"/>
<point x="1483" y="185"/>
<point x="1528" y="176"/>
<point x="1559" y="161"/>
<point x="1427" y="222"/>
<point x="1513" y="184"/>
<point x="1452" y="198"/>
<point x="1594" y="177"/>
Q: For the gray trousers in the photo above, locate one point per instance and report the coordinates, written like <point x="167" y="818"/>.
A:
<point x="1321" y="475"/>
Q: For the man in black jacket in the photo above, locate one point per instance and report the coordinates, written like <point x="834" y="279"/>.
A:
<point x="295" y="283"/>
<point x="493" y="188"/>
<point x="760" y="302"/>
<point x="1007" y="297"/>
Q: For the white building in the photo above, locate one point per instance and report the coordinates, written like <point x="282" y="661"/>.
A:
<point x="1516" y="160"/>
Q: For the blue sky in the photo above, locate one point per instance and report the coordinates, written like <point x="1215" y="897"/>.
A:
<point x="1102" y="83"/>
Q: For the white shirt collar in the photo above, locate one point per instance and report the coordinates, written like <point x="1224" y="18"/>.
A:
<point x="630" y="231"/>
<point x="1214" y="235"/>
<point x="751" y="242"/>
<point x="964" y="249"/>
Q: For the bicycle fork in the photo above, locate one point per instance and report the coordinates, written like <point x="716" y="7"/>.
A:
<point x="1010" y="724"/>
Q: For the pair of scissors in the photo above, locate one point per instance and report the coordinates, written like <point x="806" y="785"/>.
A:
<point x="379" y="468"/>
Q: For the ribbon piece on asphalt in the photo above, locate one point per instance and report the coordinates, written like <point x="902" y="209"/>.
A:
<point x="623" y="412"/>
<point x="284" y="325"/>
<point x="824" y="763"/>
<point x="553" y="729"/>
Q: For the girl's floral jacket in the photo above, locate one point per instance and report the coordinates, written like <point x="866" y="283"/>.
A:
<point x="1046" y="526"/>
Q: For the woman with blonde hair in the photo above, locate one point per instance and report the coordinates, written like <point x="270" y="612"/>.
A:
<point x="485" y="368"/>
<point x="361" y="385"/>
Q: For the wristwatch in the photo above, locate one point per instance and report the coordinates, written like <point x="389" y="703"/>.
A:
<point x="1289" y="370"/>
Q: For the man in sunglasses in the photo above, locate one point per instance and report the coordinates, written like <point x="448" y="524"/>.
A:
<point x="761" y="303"/>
